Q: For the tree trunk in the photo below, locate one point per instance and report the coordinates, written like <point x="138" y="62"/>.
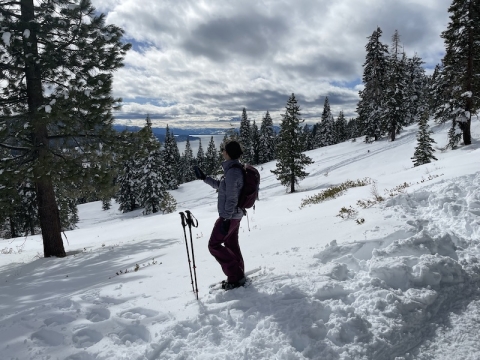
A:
<point x="47" y="206"/>
<point x="292" y="183"/>
<point x="49" y="219"/>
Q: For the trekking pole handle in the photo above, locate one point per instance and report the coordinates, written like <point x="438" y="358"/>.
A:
<point x="184" y="220"/>
<point x="191" y="220"/>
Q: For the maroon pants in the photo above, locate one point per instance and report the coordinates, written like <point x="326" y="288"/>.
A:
<point x="225" y="248"/>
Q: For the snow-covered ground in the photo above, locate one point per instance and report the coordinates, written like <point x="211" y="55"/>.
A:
<point x="404" y="284"/>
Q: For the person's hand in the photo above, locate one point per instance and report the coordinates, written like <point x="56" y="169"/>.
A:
<point x="225" y="226"/>
<point x="199" y="173"/>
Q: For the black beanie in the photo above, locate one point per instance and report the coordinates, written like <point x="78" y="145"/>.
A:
<point x="233" y="149"/>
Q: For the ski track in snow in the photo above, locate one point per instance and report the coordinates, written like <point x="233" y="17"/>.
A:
<point x="391" y="297"/>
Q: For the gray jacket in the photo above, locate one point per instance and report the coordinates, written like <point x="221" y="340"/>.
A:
<point x="229" y="188"/>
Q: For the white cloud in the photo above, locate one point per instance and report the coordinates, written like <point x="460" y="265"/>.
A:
<point x="208" y="60"/>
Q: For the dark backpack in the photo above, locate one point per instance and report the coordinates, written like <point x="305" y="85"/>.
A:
<point x="251" y="185"/>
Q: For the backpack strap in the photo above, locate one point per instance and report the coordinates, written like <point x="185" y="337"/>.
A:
<point x="244" y="172"/>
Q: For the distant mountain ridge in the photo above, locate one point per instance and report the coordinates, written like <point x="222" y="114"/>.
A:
<point x="180" y="134"/>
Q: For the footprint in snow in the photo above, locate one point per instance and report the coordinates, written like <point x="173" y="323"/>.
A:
<point x="86" y="337"/>
<point x="60" y="319"/>
<point x="138" y="313"/>
<point x="98" y="314"/>
<point x="132" y="334"/>
<point x="47" y="337"/>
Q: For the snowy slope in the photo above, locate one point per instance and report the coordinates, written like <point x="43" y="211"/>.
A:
<point x="402" y="285"/>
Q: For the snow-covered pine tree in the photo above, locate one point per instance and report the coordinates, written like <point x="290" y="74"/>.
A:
<point x="417" y="99"/>
<point x="128" y="187"/>
<point x="266" y="151"/>
<point x="212" y="166"/>
<point x="129" y="171"/>
<point x="152" y="186"/>
<point x="290" y="167"/>
<point x="396" y="90"/>
<point x="306" y="138"/>
<point x="341" y="128"/>
<point x="255" y="136"/>
<point x="18" y="211"/>
<point x="200" y="159"/>
<point x="437" y="92"/>
<point x="424" y="150"/>
<point x="245" y="137"/>
<point x="461" y="70"/>
<point x="325" y="134"/>
<point x="54" y="97"/>
<point x="370" y="108"/>
<point x="171" y="159"/>
<point x="353" y="129"/>
<point x="188" y="162"/>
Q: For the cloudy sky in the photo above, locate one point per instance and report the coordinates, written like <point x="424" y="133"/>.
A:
<point x="198" y="63"/>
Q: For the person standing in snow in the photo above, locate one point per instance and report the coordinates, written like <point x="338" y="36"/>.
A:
<point x="223" y="243"/>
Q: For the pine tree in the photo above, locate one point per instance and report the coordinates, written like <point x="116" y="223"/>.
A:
<point x="255" y="144"/>
<point x="395" y="91"/>
<point x="417" y="90"/>
<point x="54" y="97"/>
<point x="341" y="128"/>
<point x="291" y="161"/>
<point x="461" y="70"/>
<point x="424" y="150"/>
<point x="353" y="129"/>
<point x="325" y="134"/>
<point x="245" y="137"/>
<point x="266" y="150"/>
<point x="152" y="185"/>
<point x="370" y="108"/>
<point x="211" y="166"/>
<point x="437" y="89"/>
<point x="171" y="159"/>
<point x="128" y="179"/>
<point x="127" y="182"/>
<point x="188" y="163"/>
<point x="200" y="159"/>
<point x="306" y="138"/>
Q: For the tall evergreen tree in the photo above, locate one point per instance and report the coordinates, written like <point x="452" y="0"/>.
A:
<point x="171" y="160"/>
<point x="188" y="161"/>
<point x="461" y="69"/>
<point x="341" y="128"/>
<point x="353" y="129"/>
<point x="424" y="150"/>
<point x="266" y="151"/>
<point x="290" y="167"/>
<point x="128" y="186"/>
<point x="128" y="179"/>
<point x="370" y="108"/>
<point x="255" y="144"/>
<point x="245" y="137"/>
<point x="438" y="97"/>
<point x="306" y="138"/>
<point x="200" y="159"/>
<point x="54" y="97"/>
<point x="417" y="90"/>
<point x="395" y="90"/>
<point x="211" y="165"/>
<point x="325" y="134"/>
<point x="152" y="186"/>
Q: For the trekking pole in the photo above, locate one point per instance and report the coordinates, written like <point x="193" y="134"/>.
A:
<point x="192" y="221"/>
<point x="184" y="224"/>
